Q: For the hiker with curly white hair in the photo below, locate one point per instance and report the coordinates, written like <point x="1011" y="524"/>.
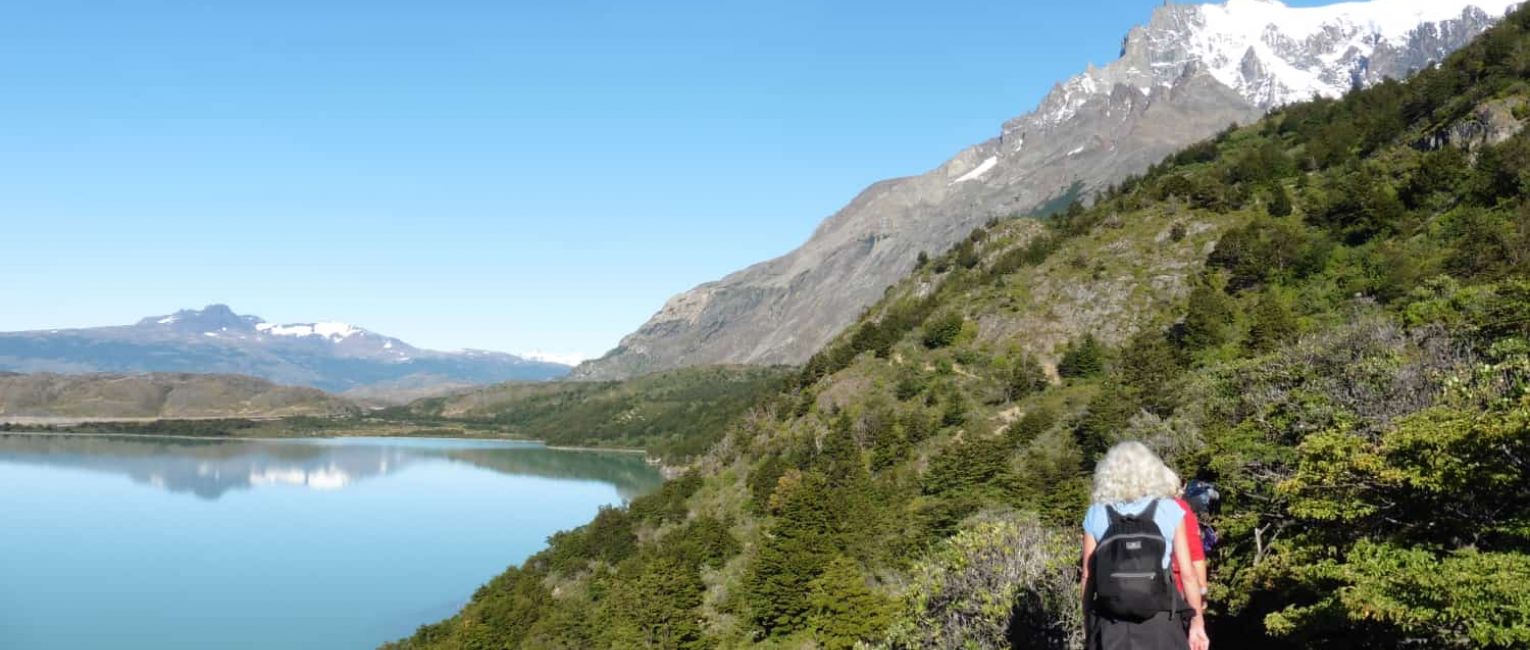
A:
<point x="1132" y="531"/>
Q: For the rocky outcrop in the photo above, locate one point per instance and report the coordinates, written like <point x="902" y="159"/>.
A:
<point x="1491" y="123"/>
<point x="1188" y="73"/>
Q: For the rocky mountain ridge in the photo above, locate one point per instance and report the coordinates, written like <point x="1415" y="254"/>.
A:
<point x="1182" y="77"/>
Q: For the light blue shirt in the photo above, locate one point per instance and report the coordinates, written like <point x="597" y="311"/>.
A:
<point x="1168" y="517"/>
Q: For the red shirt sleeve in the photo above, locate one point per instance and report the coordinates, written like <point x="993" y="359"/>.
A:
<point x="1193" y="533"/>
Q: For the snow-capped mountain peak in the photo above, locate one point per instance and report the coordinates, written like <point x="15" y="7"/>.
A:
<point x="330" y="355"/>
<point x="1272" y="54"/>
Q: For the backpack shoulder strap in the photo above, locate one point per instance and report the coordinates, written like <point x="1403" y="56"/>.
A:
<point x="1112" y="516"/>
<point x="1148" y="513"/>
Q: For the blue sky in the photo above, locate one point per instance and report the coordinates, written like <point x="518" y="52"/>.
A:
<point x="504" y="175"/>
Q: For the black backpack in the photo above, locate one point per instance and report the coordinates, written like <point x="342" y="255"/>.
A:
<point x="1130" y="583"/>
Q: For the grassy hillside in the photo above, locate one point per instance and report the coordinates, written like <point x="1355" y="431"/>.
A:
<point x="159" y="395"/>
<point x="1327" y="313"/>
<point x="674" y="414"/>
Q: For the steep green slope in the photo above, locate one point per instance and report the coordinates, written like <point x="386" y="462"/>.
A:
<point x="1327" y="313"/>
<point x="674" y="415"/>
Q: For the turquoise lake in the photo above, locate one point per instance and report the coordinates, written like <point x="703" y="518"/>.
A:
<point x="130" y="542"/>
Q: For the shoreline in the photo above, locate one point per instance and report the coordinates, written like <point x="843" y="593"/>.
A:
<point x="106" y="434"/>
<point x="543" y="443"/>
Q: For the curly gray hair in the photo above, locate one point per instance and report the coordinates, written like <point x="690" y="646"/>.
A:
<point x="1130" y="471"/>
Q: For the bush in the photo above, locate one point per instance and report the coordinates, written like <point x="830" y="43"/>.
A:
<point x="943" y="330"/>
<point x="1004" y="583"/>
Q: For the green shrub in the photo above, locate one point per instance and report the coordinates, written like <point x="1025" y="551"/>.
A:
<point x="942" y="331"/>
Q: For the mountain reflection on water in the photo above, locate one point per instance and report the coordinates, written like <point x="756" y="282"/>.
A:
<point x="209" y="468"/>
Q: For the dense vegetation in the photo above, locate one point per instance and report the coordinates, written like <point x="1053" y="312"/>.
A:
<point x="1327" y="313"/>
<point x="673" y="415"/>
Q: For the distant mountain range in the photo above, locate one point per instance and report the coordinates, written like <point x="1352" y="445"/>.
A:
<point x="335" y="357"/>
<point x="1184" y="76"/>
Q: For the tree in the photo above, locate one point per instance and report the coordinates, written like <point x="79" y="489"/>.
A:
<point x="980" y="465"/>
<point x="891" y="447"/>
<point x="1032" y="424"/>
<point x="1025" y="378"/>
<point x="1358" y="206"/>
<point x="845" y="610"/>
<point x="653" y="605"/>
<point x="1104" y="418"/>
<point x="1272" y="325"/>
<point x="1082" y="359"/>
<point x="1280" y="202"/>
<point x="1209" y="317"/>
<point x="795" y="551"/>
<point x="1415" y="537"/>
<point x="955" y="412"/>
<point x="1149" y="369"/>
<point x="911" y="383"/>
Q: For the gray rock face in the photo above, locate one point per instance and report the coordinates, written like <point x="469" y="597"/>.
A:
<point x="330" y="356"/>
<point x="1188" y="73"/>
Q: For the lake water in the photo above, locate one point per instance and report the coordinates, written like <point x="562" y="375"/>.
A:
<point x="133" y="542"/>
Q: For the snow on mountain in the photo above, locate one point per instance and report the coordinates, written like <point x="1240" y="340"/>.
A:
<point x="327" y="354"/>
<point x="330" y="330"/>
<point x="1273" y="54"/>
<point x="1270" y="53"/>
<point x="563" y="358"/>
<point x="978" y="171"/>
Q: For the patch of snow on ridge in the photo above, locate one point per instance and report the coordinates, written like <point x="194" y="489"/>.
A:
<point x="562" y="358"/>
<point x="167" y="320"/>
<point x="977" y="172"/>
<point x="329" y="330"/>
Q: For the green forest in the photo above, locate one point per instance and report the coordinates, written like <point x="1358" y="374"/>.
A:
<point x="672" y="415"/>
<point x="1326" y="312"/>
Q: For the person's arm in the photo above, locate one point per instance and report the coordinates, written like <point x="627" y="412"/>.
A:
<point x="1083" y="586"/>
<point x="1198" y="638"/>
<point x="1197" y="547"/>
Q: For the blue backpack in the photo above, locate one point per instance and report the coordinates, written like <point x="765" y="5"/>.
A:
<point x="1204" y="500"/>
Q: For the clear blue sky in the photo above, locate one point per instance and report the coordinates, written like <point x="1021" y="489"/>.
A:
<point x="505" y="175"/>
